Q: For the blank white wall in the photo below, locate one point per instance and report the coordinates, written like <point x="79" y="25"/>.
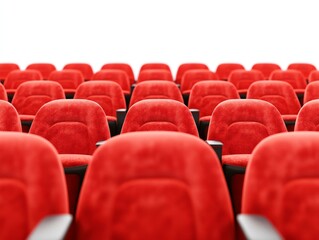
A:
<point x="170" y="31"/>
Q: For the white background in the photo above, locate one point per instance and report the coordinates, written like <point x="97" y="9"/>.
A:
<point x="170" y="31"/>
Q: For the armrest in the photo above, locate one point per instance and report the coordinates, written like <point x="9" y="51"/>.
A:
<point x="133" y="87"/>
<point x="217" y="147"/>
<point x="257" y="227"/>
<point x="99" y="143"/>
<point x="120" y="116"/>
<point x="195" y="113"/>
<point x="52" y="227"/>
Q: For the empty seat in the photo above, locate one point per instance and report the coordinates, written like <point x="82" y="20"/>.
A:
<point x="3" y="93"/>
<point x="308" y="119"/>
<point x="182" y="68"/>
<point x="165" y="185"/>
<point x="156" y="90"/>
<point x="152" y="66"/>
<point x="16" y="77"/>
<point x="266" y="68"/>
<point x="311" y="92"/>
<point x="154" y="74"/>
<point x="282" y="185"/>
<point x="69" y="80"/>
<point x="44" y="68"/>
<point x="313" y="76"/>
<point x="9" y="118"/>
<point x="205" y="96"/>
<point x="121" y="66"/>
<point x="32" y="184"/>
<point x="242" y="79"/>
<point x="108" y="95"/>
<point x="73" y="126"/>
<point x="32" y="95"/>
<point x="281" y="95"/>
<point x="6" y="68"/>
<point x="84" y="68"/>
<point x="118" y="76"/>
<point x="304" y="68"/>
<point x="240" y="124"/>
<point x="159" y="114"/>
<point x="223" y="70"/>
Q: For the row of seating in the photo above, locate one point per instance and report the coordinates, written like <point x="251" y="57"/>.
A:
<point x="223" y="70"/>
<point x="160" y="185"/>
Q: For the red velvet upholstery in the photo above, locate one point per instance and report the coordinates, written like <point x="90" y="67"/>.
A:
<point x="73" y="126"/>
<point x="154" y="74"/>
<point x="118" y="76"/>
<point x="311" y="91"/>
<point x="294" y="77"/>
<point x="9" y="118"/>
<point x="188" y="66"/>
<point x="165" y="185"/>
<point x="84" y="68"/>
<point x="107" y="94"/>
<point x="223" y="70"/>
<point x="121" y="66"/>
<point x="313" y="76"/>
<point x="32" y="183"/>
<point x="240" y="124"/>
<point x="156" y="89"/>
<point x="159" y="114"/>
<point x="266" y="68"/>
<point x="304" y="68"/>
<point x="3" y="93"/>
<point x="16" y="77"/>
<point x="32" y="95"/>
<point x="308" y="118"/>
<point x="69" y="79"/>
<point x="44" y="68"/>
<point x="206" y="95"/>
<point x="191" y="77"/>
<point x="6" y="68"/>
<point x="242" y="79"/>
<point x="150" y="66"/>
<point x="282" y="183"/>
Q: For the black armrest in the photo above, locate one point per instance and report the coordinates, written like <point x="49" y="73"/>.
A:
<point x="133" y="87"/>
<point x="217" y="147"/>
<point x="195" y="113"/>
<point x="257" y="227"/>
<point x="120" y="116"/>
<point x="99" y="143"/>
<point x="52" y="227"/>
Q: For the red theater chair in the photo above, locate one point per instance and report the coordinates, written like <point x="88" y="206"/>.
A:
<point x="223" y="70"/>
<point x="108" y="95"/>
<point x="44" y="68"/>
<point x="165" y="185"/>
<point x="308" y="118"/>
<point x="9" y="118"/>
<point x="156" y="89"/>
<point x="152" y="66"/>
<point x="121" y="66"/>
<point x="69" y="79"/>
<point x="3" y="93"/>
<point x="16" y="77"/>
<point x="188" y="66"/>
<point x="154" y="74"/>
<point x="240" y="124"/>
<point x="281" y="188"/>
<point x="205" y="96"/>
<point x="32" y="95"/>
<point x="73" y="126"/>
<point x="266" y="68"/>
<point x="281" y="95"/>
<point x="242" y="79"/>
<point x="304" y="68"/>
<point x="159" y="114"/>
<point x="311" y="92"/>
<point x="84" y="68"/>
<point x="313" y="76"/>
<point x="6" y="68"/>
<point x="32" y="188"/>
